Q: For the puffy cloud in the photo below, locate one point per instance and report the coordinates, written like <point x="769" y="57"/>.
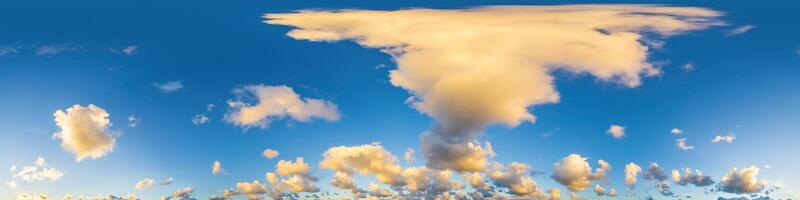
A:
<point x="476" y="181"/>
<point x="273" y="102"/>
<point x="167" y="181"/>
<point x="655" y="174"/>
<point x="84" y="131"/>
<point x="270" y="153"/>
<point x="631" y="171"/>
<point x="216" y="168"/>
<point x="365" y="159"/>
<point x="575" y="172"/>
<point x="616" y="131"/>
<point x="254" y="190"/>
<point x="695" y="178"/>
<point x="409" y="156"/>
<point x="462" y="156"/>
<point x="144" y="184"/>
<point x="740" y="30"/>
<point x="742" y="181"/>
<point x="515" y="177"/>
<point x="183" y="194"/>
<point x="442" y="182"/>
<point x="472" y="68"/>
<point x="40" y="171"/>
<point x="292" y="176"/>
<point x="612" y="192"/>
<point x="169" y="87"/>
<point x="599" y="190"/>
<point x="681" y="144"/>
<point x="724" y="138"/>
<point x="200" y="119"/>
<point x="676" y="131"/>
<point x="555" y="194"/>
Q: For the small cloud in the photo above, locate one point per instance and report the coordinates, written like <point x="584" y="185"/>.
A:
<point x="681" y="143"/>
<point x="724" y="138"/>
<point x="676" y="131"/>
<point x="39" y="171"/>
<point x="144" y="184"/>
<point x="689" y="66"/>
<point x="270" y="153"/>
<point x="616" y="131"/>
<point x="381" y="66"/>
<point x="409" y="156"/>
<point x="767" y="166"/>
<point x="210" y="107"/>
<point x="52" y="50"/>
<point x="11" y="49"/>
<point x="133" y="121"/>
<point x="200" y="119"/>
<point x="12" y="184"/>
<point x="167" y="181"/>
<point x="130" y="50"/>
<point x="276" y="102"/>
<point x="169" y="87"/>
<point x="216" y="168"/>
<point x="739" y="30"/>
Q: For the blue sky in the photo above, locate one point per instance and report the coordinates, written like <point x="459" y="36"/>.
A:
<point x="58" y="54"/>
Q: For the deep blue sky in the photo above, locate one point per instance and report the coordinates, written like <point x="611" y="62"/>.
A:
<point x="743" y="84"/>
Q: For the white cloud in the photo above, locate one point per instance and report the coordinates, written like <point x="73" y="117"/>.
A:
<point x="724" y="138"/>
<point x="133" y="121"/>
<point x="39" y="171"/>
<point x="681" y="144"/>
<point x="270" y="153"/>
<point x="688" y="177"/>
<point x="369" y="159"/>
<point x="200" y="119"/>
<point x="84" y="131"/>
<point x="515" y="177"/>
<point x="216" y="168"/>
<point x="12" y="184"/>
<point x="169" y="87"/>
<point x="254" y="190"/>
<point x="616" y="131"/>
<point x="575" y="172"/>
<point x="144" y="184"/>
<point x="740" y="30"/>
<point x="599" y="190"/>
<point x="631" y="171"/>
<point x="292" y="176"/>
<point x="274" y="102"/>
<point x="409" y="156"/>
<point x="676" y="131"/>
<point x="183" y="194"/>
<point x="742" y="181"/>
<point x="167" y="181"/>
<point x="11" y="49"/>
<point x="502" y="54"/>
<point x="130" y="50"/>
<point x="52" y="50"/>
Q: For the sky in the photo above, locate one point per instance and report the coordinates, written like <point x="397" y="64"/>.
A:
<point x="399" y="99"/>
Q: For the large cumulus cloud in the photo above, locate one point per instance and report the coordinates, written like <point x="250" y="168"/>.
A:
<point x="472" y="68"/>
<point x="84" y="131"/>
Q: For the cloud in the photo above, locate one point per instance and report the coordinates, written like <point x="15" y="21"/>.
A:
<point x="169" y="87"/>
<point x="292" y="176"/>
<point x="133" y="121"/>
<point x="39" y="171"/>
<point x="130" y="50"/>
<point x="739" y="30"/>
<point x="274" y="102"/>
<point x="200" y="119"/>
<point x="681" y="144"/>
<point x="631" y="171"/>
<point x="144" y="184"/>
<point x="515" y="177"/>
<point x="676" y="131"/>
<point x="612" y="192"/>
<point x="84" y="131"/>
<point x="11" y="49"/>
<point x="183" y="194"/>
<point x="599" y="190"/>
<point x="254" y="190"/>
<point x="616" y="131"/>
<point x="270" y="153"/>
<point x="52" y="50"/>
<point x="695" y="178"/>
<point x="216" y="168"/>
<point x="655" y="174"/>
<point x="574" y="172"/>
<point x="742" y="181"/>
<point x="370" y="159"/>
<point x="167" y="181"/>
<point x="724" y="138"/>
<point x="409" y="156"/>
<point x="471" y="68"/>
<point x="689" y="66"/>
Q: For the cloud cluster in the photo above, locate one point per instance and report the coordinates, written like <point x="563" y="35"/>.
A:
<point x="39" y="171"/>
<point x="575" y="172"/>
<point x="84" y="131"/>
<point x="471" y="68"/>
<point x="742" y="181"/>
<point x="515" y="177"/>
<point x="656" y="175"/>
<point x="292" y="177"/>
<point x="274" y="102"/>
<point x="688" y="177"/>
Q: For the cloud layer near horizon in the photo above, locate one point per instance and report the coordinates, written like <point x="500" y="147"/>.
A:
<point x="471" y="68"/>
